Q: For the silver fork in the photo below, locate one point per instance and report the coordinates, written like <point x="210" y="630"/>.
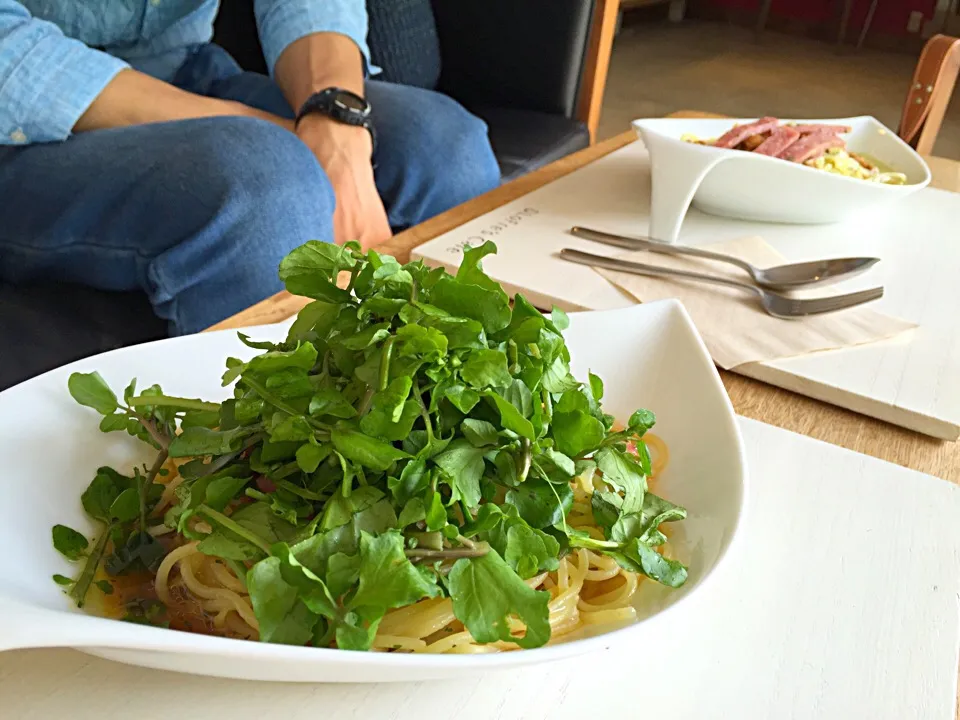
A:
<point x="782" y="277"/>
<point x="775" y="304"/>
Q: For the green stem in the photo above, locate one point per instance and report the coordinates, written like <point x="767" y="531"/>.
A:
<point x="224" y="460"/>
<point x="161" y="439"/>
<point x="353" y="278"/>
<point x="466" y="542"/>
<point x="592" y="544"/>
<point x="385" y="362"/>
<point x="169" y="401"/>
<point x="279" y="404"/>
<point x="82" y="586"/>
<point x="427" y="540"/>
<point x="297" y="490"/>
<point x="265" y="394"/>
<point x="365" y="402"/>
<point x="346" y="486"/>
<point x="233" y="527"/>
<point x="525" y="460"/>
<point x="547" y="405"/>
<point x="464" y="552"/>
<point x="291" y="468"/>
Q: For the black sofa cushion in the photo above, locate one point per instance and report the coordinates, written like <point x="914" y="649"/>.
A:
<point x="403" y="42"/>
<point x="524" y="140"/>
<point x="46" y="325"/>
<point x="524" y="54"/>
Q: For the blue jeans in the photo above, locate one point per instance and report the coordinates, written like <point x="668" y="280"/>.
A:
<point x="199" y="213"/>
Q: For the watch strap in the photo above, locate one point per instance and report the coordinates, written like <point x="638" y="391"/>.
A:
<point x="324" y="103"/>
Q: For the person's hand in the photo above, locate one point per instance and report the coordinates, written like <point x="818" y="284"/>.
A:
<point x="344" y="153"/>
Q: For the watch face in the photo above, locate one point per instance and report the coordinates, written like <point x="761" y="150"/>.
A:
<point x="351" y="102"/>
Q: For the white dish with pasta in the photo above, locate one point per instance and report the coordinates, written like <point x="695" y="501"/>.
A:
<point x="648" y="356"/>
<point x="753" y="186"/>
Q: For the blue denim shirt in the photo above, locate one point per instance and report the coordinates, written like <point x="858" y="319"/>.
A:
<point x="50" y="72"/>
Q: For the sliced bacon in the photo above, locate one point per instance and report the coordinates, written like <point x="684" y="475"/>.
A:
<point x="752" y="143"/>
<point x="739" y="133"/>
<point x="862" y="160"/>
<point x="819" y="127"/>
<point x="779" y="140"/>
<point x="811" y="146"/>
<point x="265" y="484"/>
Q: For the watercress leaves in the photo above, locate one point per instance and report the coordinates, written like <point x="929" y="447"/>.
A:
<point x="311" y="270"/>
<point x="480" y="433"/>
<point x="282" y="617"/>
<point x="486" y="592"/>
<point x="68" y="542"/>
<point x="462" y="465"/>
<point x="541" y="503"/>
<point x="365" y="450"/>
<point x="510" y="416"/>
<point x="413" y="436"/>
<point x="640" y="558"/>
<point x="387" y="578"/>
<point x="486" y="368"/>
<point x="623" y="473"/>
<point x="91" y="390"/>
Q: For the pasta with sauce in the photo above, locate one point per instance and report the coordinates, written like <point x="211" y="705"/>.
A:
<point x="405" y="473"/>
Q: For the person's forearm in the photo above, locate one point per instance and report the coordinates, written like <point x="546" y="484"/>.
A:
<point x="316" y="62"/>
<point x="133" y="98"/>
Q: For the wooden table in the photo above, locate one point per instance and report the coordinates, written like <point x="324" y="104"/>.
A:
<point x="750" y="398"/>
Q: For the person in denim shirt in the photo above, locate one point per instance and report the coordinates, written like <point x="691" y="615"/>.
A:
<point x="136" y="154"/>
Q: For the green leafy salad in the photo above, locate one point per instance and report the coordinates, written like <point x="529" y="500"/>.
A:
<point x="416" y="437"/>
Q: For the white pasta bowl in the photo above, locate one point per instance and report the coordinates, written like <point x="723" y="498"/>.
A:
<point x="748" y="186"/>
<point x="648" y="355"/>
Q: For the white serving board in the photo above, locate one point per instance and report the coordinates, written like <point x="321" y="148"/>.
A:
<point x="912" y="381"/>
<point x="840" y="603"/>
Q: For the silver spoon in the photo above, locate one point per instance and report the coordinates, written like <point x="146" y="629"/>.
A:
<point x="774" y="304"/>
<point x="782" y="277"/>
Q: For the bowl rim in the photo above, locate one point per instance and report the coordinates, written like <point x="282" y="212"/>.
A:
<point x="153" y="639"/>
<point x="653" y="125"/>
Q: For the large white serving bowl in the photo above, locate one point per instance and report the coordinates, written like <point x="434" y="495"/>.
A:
<point x="648" y="356"/>
<point x="747" y="186"/>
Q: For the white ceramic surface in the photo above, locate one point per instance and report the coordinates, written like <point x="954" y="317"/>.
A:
<point x="649" y="356"/>
<point x="840" y="604"/>
<point x="747" y="186"/>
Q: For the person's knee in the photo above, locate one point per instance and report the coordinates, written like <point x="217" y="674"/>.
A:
<point x="467" y="166"/>
<point x="441" y="158"/>
<point x="252" y="160"/>
<point x="256" y="192"/>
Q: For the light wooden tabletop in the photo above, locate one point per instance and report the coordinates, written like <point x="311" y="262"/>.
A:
<point x="750" y="398"/>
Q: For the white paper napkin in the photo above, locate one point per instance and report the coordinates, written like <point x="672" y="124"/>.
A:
<point x="732" y="323"/>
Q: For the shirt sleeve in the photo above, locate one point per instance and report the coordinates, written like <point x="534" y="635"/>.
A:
<point x="282" y="22"/>
<point x="47" y="80"/>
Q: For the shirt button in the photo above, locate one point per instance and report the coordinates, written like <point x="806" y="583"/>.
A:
<point x="18" y="136"/>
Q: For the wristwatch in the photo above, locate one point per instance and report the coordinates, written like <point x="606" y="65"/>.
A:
<point x="341" y="105"/>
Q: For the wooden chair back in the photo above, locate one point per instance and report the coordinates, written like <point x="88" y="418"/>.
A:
<point x="930" y="91"/>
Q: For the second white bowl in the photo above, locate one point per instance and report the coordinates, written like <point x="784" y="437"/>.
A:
<point x="747" y="186"/>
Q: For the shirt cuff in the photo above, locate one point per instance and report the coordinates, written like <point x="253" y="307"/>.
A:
<point x="283" y="22"/>
<point x="54" y="84"/>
